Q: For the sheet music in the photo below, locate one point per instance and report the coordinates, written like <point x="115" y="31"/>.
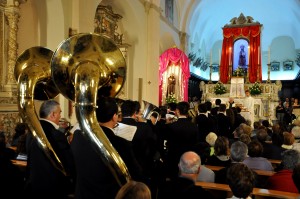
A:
<point x="125" y="131"/>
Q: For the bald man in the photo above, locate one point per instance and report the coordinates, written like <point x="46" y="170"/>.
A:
<point x="184" y="185"/>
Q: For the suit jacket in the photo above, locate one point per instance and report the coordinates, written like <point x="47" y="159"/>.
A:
<point x="205" y="125"/>
<point x="94" y="177"/>
<point x="238" y="120"/>
<point x="182" y="136"/>
<point x="144" y="143"/>
<point x="44" y="179"/>
<point x="223" y="125"/>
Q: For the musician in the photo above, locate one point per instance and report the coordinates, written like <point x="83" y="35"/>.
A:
<point x="181" y="136"/>
<point x="144" y="139"/>
<point x="44" y="179"/>
<point x="94" y="178"/>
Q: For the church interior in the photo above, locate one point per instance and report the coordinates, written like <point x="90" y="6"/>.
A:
<point x="168" y="51"/>
<point x="189" y="26"/>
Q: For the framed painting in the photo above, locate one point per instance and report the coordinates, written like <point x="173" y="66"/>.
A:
<point x="215" y="68"/>
<point x="288" y="65"/>
<point x="275" y="66"/>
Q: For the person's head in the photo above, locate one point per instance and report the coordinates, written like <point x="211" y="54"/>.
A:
<point x="189" y="165"/>
<point x="50" y="110"/>
<point x="241" y="180"/>
<point x="238" y="109"/>
<point x="246" y="128"/>
<point x="182" y="108"/>
<point x="231" y="100"/>
<point x="262" y="135"/>
<point x="290" y="158"/>
<point x="256" y="124"/>
<point x="238" y="151"/>
<point x="218" y="101"/>
<point x="265" y="123"/>
<point x="247" y="92"/>
<point x="245" y="138"/>
<point x="154" y="117"/>
<point x="288" y="138"/>
<point x="296" y="131"/>
<point x="20" y="129"/>
<point x="208" y="105"/>
<point x="128" y="108"/>
<point x="222" y="108"/>
<point x="134" y="190"/>
<point x="172" y="106"/>
<point x="238" y="132"/>
<point x="211" y="138"/>
<point x="255" y="149"/>
<point x="107" y="111"/>
<point x="296" y="176"/>
<point x="202" y="108"/>
<point x="221" y="146"/>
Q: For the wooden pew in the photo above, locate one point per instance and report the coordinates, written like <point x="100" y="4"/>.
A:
<point x="257" y="192"/>
<point x="259" y="172"/>
<point x="20" y="164"/>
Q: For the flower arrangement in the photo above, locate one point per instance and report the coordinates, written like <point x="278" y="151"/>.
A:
<point x="171" y="99"/>
<point x="255" y="89"/>
<point x="219" y="88"/>
<point x="239" y="72"/>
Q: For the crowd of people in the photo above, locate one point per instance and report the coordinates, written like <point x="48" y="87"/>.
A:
<point x="165" y="152"/>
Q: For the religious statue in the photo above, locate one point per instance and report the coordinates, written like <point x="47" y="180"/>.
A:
<point x="171" y="85"/>
<point x="242" y="57"/>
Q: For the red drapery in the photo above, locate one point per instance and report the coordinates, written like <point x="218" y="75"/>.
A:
<point x="177" y="57"/>
<point x="230" y="35"/>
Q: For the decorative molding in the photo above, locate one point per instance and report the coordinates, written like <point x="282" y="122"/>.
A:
<point x="149" y="4"/>
<point x="241" y="21"/>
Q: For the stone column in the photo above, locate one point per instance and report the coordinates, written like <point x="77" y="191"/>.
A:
<point x="12" y="18"/>
<point x="153" y="29"/>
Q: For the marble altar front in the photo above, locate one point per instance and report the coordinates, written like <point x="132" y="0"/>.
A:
<point x="264" y="105"/>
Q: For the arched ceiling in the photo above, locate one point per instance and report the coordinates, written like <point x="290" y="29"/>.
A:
<point x="278" y="17"/>
<point x="203" y="21"/>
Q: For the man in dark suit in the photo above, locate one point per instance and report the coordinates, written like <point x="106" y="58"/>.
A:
<point x="182" y="136"/>
<point x="214" y="110"/>
<point x="144" y="140"/>
<point x="44" y="179"/>
<point x="223" y="122"/>
<point x="238" y="117"/>
<point x="205" y="124"/>
<point x="94" y="177"/>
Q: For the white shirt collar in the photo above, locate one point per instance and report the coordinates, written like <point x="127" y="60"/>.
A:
<point x="55" y="125"/>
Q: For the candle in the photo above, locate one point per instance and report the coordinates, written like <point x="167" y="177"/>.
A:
<point x="269" y="55"/>
<point x="248" y="55"/>
<point x="229" y="56"/>
<point x="219" y="57"/>
<point x="210" y="57"/>
<point x="258" y="56"/>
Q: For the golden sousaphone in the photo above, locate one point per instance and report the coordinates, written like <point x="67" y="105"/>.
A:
<point x="33" y="74"/>
<point x="84" y="66"/>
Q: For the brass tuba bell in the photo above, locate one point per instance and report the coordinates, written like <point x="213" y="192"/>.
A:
<point x="32" y="72"/>
<point x="85" y="66"/>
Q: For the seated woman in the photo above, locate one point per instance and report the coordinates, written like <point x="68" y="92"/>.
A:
<point x="221" y="155"/>
<point x="255" y="159"/>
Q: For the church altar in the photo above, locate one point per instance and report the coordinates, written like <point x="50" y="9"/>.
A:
<point x="264" y="103"/>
